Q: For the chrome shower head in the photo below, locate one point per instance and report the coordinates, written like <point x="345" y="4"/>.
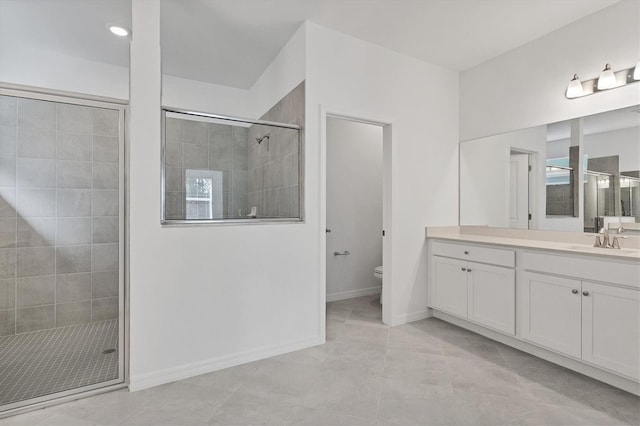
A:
<point x="260" y="139"/>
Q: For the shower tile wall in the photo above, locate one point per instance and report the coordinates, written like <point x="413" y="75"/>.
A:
<point x="59" y="225"/>
<point x="273" y="164"/>
<point x="205" y="146"/>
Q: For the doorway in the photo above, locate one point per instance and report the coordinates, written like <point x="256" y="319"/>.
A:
<point x="357" y="211"/>
<point x="61" y="247"/>
<point x="520" y="182"/>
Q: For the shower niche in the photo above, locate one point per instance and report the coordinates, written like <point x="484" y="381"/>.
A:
<point x="226" y="169"/>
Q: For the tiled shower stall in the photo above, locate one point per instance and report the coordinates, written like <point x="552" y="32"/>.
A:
<point x="59" y="228"/>
<point x="263" y="175"/>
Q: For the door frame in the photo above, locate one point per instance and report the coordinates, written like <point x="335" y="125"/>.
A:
<point x="533" y="177"/>
<point x="122" y="106"/>
<point x="388" y="174"/>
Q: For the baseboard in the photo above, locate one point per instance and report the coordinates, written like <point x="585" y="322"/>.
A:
<point x="155" y="378"/>
<point x="410" y="317"/>
<point x="556" y="358"/>
<point x="332" y="297"/>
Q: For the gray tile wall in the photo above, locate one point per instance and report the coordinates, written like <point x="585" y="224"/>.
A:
<point x="59" y="227"/>
<point x="205" y="146"/>
<point x="559" y="200"/>
<point x="273" y="165"/>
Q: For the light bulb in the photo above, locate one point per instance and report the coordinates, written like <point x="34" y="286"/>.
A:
<point x="574" y="89"/>
<point x="607" y="78"/>
<point x="636" y="71"/>
<point x="119" y="31"/>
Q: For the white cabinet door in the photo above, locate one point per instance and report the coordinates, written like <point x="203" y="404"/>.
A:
<point x="492" y="297"/>
<point x="449" y="285"/>
<point x="611" y="328"/>
<point x="551" y="313"/>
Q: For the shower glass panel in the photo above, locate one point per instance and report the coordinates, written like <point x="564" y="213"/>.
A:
<point x="630" y="196"/>
<point x="220" y="169"/>
<point x="61" y="247"/>
<point x="598" y="200"/>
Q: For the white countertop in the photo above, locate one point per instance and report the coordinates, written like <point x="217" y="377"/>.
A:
<point x="571" y="242"/>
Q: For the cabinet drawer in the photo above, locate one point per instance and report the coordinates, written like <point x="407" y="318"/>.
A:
<point x="472" y="253"/>
<point x="605" y="270"/>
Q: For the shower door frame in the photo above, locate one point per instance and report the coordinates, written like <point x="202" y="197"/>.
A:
<point x="120" y="105"/>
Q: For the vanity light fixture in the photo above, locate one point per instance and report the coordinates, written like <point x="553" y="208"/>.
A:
<point x="608" y="79"/>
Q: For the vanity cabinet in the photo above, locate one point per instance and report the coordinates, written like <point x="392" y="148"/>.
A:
<point x="576" y="307"/>
<point x="551" y="313"/>
<point x="479" y="292"/>
<point x="597" y="323"/>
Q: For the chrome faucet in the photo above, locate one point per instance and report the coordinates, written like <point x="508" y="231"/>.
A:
<point x="605" y="239"/>
<point x="605" y="243"/>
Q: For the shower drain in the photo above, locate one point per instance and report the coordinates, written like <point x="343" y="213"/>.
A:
<point x="108" y="351"/>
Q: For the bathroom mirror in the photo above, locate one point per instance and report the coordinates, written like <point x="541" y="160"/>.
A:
<point x="575" y="175"/>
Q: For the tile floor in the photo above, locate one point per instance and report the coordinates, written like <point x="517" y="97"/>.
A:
<point x="424" y="373"/>
<point x="47" y="361"/>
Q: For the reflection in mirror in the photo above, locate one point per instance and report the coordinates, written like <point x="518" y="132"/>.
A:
<point x="611" y="146"/>
<point x="561" y="169"/>
<point x="630" y="195"/>
<point x="584" y="174"/>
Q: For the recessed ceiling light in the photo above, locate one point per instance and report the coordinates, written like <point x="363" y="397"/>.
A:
<point x="119" y="31"/>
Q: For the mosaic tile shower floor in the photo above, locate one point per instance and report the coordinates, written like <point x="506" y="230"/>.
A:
<point x="47" y="361"/>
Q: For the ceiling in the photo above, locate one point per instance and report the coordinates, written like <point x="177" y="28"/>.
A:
<point x="231" y="42"/>
<point x="70" y="27"/>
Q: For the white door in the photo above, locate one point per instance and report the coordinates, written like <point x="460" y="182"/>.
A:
<point x="519" y="191"/>
<point x="611" y="328"/>
<point x="492" y="296"/>
<point x="551" y="314"/>
<point x="354" y="208"/>
<point x="449" y="293"/>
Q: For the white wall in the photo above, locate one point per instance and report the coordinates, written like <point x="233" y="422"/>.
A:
<point x="421" y="100"/>
<point x="623" y="142"/>
<point x="354" y="208"/>
<point x="29" y="65"/>
<point x="525" y="87"/>
<point x="484" y="175"/>
<point x="204" y="298"/>
<point x="204" y="97"/>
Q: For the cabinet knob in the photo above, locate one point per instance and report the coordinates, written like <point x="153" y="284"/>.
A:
<point x="464" y="269"/>
<point x="574" y="291"/>
<point x="585" y="293"/>
<point x="468" y="270"/>
<point x="466" y="252"/>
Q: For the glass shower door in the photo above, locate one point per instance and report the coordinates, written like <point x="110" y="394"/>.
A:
<point x="61" y="247"/>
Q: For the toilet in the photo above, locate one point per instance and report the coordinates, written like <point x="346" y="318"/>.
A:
<point x="377" y="272"/>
